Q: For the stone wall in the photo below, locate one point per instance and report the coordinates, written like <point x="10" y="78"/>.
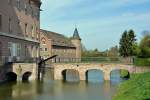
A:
<point x="141" y="69"/>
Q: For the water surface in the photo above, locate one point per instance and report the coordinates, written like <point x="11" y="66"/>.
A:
<point x="95" y="89"/>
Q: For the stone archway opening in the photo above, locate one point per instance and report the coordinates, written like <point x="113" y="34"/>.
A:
<point x="26" y="76"/>
<point x="11" y="76"/>
<point x="125" y="74"/>
<point x="70" y="75"/>
<point x="118" y="75"/>
<point x="94" y="75"/>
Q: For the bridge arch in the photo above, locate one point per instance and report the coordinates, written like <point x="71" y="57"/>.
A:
<point x="98" y="71"/>
<point x="65" y="71"/>
<point x="26" y="76"/>
<point x="11" y="76"/>
<point x="122" y="69"/>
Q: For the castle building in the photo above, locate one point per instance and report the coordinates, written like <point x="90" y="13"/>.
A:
<point x="66" y="49"/>
<point x="19" y="30"/>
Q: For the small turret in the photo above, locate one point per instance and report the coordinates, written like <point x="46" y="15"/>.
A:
<point x="76" y="34"/>
<point x="76" y="40"/>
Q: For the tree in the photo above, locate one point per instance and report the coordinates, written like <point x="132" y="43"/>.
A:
<point x="83" y="48"/>
<point x="145" y="46"/>
<point x="136" y="50"/>
<point x="132" y="42"/>
<point x="112" y="52"/>
<point x="123" y="48"/>
<point x="127" y="44"/>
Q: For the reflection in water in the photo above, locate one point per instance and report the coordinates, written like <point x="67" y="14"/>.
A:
<point x="58" y="90"/>
<point x="115" y="77"/>
<point x="70" y="75"/>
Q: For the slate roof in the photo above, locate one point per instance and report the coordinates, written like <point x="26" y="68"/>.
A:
<point x="58" y="39"/>
<point x="76" y="34"/>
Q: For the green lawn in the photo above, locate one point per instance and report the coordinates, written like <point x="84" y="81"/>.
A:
<point x="136" y="88"/>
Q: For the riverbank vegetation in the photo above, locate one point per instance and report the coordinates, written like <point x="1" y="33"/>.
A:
<point x="128" y="47"/>
<point x="124" y="73"/>
<point x="136" y="88"/>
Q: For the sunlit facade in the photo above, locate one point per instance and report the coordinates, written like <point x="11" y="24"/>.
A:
<point x="19" y="30"/>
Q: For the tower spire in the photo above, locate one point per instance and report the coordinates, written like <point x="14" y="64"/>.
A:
<point x="76" y="34"/>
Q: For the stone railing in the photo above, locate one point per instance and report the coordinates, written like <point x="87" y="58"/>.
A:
<point x="93" y="60"/>
<point x="65" y="60"/>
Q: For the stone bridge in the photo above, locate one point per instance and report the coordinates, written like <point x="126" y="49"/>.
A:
<point x="82" y="69"/>
<point x="19" y="72"/>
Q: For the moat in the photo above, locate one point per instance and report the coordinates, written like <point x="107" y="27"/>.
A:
<point x="48" y="89"/>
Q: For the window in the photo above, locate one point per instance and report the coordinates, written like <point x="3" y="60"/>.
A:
<point x="33" y="31"/>
<point x="9" y="23"/>
<point x="26" y="51"/>
<point x="25" y="30"/>
<point x="0" y="21"/>
<point x="45" y="49"/>
<point x="32" y="12"/>
<point x="25" y="9"/>
<point x="18" y="4"/>
<point x="18" y="22"/>
<point x="37" y="51"/>
<point x="18" y="50"/>
<point x="14" y="49"/>
<point x="10" y="48"/>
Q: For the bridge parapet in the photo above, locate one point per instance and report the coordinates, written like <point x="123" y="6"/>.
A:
<point x="128" y="60"/>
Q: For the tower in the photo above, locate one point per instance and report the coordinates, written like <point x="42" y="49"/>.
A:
<point x="76" y="40"/>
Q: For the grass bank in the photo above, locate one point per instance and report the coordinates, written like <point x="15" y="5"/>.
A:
<point x="136" y="88"/>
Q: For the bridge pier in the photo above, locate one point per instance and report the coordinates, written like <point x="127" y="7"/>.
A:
<point x="107" y="76"/>
<point x="19" y="78"/>
<point x="58" y="75"/>
<point x="82" y="76"/>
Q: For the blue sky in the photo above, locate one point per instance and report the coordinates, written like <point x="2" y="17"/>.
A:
<point x="99" y="22"/>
